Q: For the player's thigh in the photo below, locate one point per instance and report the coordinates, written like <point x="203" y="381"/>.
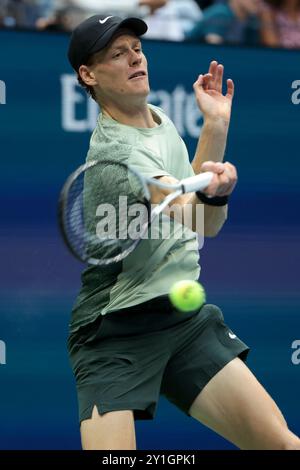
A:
<point x="111" y="431"/>
<point x="237" y="407"/>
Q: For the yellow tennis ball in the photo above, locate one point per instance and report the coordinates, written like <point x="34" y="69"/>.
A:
<point x="187" y="295"/>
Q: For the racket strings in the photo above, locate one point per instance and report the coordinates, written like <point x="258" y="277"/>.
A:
<point x="105" y="211"/>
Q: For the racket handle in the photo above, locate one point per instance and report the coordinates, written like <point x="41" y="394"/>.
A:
<point x="197" y="182"/>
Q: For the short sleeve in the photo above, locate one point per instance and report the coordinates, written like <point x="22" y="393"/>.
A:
<point x="147" y="163"/>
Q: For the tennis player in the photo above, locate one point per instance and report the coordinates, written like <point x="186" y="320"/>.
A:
<point x="127" y="344"/>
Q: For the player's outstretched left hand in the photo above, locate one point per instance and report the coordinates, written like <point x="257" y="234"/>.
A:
<point x="208" y="90"/>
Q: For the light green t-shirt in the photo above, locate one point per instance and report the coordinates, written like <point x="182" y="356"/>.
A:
<point x="152" y="268"/>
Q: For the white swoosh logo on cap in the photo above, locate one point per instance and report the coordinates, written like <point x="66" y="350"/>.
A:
<point x="231" y="335"/>
<point x="105" y="19"/>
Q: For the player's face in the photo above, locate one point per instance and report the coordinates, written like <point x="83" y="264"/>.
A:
<point x="122" y="70"/>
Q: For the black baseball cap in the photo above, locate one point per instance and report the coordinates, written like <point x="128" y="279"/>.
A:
<point x="94" y="34"/>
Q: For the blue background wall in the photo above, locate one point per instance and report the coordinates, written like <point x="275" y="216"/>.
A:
<point x="251" y="270"/>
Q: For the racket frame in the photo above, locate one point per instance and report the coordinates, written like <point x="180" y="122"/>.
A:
<point x="190" y="184"/>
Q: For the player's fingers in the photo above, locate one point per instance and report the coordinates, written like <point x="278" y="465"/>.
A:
<point x="230" y="89"/>
<point x="224" y="184"/>
<point x="216" y="168"/>
<point x="212" y="188"/>
<point x="201" y="83"/>
<point x="231" y="170"/>
<point x="219" y="167"/>
<point x="225" y="190"/>
<point x="198" y="86"/>
<point x="227" y="180"/>
<point x="213" y="67"/>
<point x="198" y="83"/>
<point x="209" y="166"/>
<point x="224" y="180"/>
<point x="207" y="80"/>
<point x="219" y="78"/>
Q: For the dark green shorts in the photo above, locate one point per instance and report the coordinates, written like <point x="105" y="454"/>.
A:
<point x="126" y="359"/>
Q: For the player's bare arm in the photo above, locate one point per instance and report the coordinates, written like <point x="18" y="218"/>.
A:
<point x="216" y="109"/>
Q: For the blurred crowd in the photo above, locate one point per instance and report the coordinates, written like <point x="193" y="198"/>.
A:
<point x="273" y="23"/>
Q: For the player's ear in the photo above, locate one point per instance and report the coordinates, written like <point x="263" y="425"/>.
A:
<point x="87" y="75"/>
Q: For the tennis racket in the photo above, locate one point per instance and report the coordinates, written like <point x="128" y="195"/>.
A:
<point x="104" y="209"/>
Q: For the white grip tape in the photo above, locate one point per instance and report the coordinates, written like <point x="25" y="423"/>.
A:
<point x="197" y="182"/>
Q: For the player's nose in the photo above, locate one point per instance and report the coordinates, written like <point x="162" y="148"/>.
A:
<point x="135" y="58"/>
